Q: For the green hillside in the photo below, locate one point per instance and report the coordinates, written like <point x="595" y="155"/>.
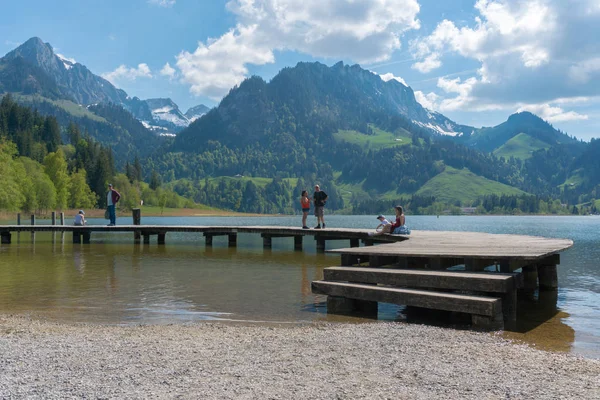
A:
<point x="68" y="106"/>
<point x="462" y="185"/>
<point x="258" y="181"/>
<point x="378" y="140"/>
<point x="520" y="146"/>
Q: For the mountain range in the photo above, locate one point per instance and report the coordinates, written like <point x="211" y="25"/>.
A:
<point x="35" y="69"/>
<point x="341" y="124"/>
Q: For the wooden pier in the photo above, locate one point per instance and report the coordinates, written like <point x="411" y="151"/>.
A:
<point x="414" y="272"/>
<point x="83" y="234"/>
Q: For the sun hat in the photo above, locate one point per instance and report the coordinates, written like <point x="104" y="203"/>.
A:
<point x="380" y="216"/>
<point x="81" y="212"/>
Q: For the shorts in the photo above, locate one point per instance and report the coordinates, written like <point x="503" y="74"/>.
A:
<point x="319" y="211"/>
<point x="305" y="209"/>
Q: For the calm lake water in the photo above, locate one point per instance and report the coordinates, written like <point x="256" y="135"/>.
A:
<point x="112" y="281"/>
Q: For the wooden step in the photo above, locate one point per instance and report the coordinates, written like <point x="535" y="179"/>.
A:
<point x="479" y="305"/>
<point x="492" y="282"/>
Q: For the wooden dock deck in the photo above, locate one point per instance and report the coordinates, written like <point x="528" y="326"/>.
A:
<point x="82" y="234"/>
<point x="420" y="277"/>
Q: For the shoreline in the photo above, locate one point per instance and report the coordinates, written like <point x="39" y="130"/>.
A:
<point x="44" y="359"/>
<point x="198" y="212"/>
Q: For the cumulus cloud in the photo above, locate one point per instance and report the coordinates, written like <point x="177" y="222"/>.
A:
<point x="389" y="76"/>
<point x="359" y="30"/>
<point x="429" y="100"/>
<point x="163" y="3"/>
<point x="131" y="74"/>
<point x="533" y="55"/>
<point x="168" y="71"/>
<point x="552" y="113"/>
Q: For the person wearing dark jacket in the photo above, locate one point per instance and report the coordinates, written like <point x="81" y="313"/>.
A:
<point x="112" y="198"/>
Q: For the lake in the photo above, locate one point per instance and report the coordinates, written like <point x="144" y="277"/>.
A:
<point x="112" y="281"/>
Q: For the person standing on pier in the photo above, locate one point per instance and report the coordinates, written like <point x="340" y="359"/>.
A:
<point x="305" y="204"/>
<point x="319" y="198"/>
<point x="112" y="198"/>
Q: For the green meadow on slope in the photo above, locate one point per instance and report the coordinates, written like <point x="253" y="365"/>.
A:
<point x="378" y="140"/>
<point x="463" y="185"/>
<point x="520" y="146"/>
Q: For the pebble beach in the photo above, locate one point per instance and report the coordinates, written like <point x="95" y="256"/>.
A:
<point x="50" y="360"/>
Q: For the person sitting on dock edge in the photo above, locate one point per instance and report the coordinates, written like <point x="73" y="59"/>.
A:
<point x="319" y="198"/>
<point x="112" y="198"/>
<point x="383" y="227"/>
<point x="399" y="227"/>
<point x="79" y="219"/>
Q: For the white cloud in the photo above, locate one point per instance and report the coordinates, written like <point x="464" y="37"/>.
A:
<point x="552" y="113"/>
<point x="71" y="60"/>
<point x="216" y="67"/>
<point x="168" y="71"/>
<point x="503" y="27"/>
<point x="131" y="74"/>
<point x="539" y="55"/>
<point x="431" y="62"/>
<point x="429" y="100"/>
<point x="584" y="71"/>
<point x="389" y="76"/>
<point x="163" y="3"/>
<point x="359" y="30"/>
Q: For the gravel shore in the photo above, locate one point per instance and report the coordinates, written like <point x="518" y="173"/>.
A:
<point x="318" y="361"/>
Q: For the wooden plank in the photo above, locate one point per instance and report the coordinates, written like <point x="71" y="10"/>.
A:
<point x="475" y="281"/>
<point x="487" y="306"/>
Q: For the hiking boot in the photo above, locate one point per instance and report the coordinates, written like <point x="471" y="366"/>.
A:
<point x="318" y="227"/>
<point x="305" y="227"/>
<point x="323" y="225"/>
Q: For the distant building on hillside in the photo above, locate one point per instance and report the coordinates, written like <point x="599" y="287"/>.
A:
<point x="468" y="210"/>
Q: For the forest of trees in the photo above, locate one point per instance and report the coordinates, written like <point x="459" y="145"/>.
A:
<point x="45" y="167"/>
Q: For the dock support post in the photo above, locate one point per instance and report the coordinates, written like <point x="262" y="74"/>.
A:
<point x="18" y="218"/>
<point x="298" y="243"/>
<point x="5" y="238"/>
<point x="267" y="241"/>
<point x="232" y="239"/>
<point x="136" y="214"/>
<point x="209" y="239"/>
<point x="509" y="308"/>
<point x="354" y="243"/>
<point x="349" y="260"/>
<point x="548" y="275"/>
<point x="530" y="278"/>
<point x="368" y="242"/>
<point x="486" y="323"/>
<point x="86" y="235"/>
<point x="320" y="244"/>
<point x="146" y="238"/>
<point x="62" y="218"/>
<point x="53" y="217"/>
<point x="161" y="237"/>
<point x="345" y="306"/>
<point x="76" y="237"/>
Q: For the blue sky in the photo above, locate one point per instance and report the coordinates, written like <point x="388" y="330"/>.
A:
<point x="475" y="61"/>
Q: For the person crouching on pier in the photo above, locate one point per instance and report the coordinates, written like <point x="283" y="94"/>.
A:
<point x="112" y="198"/>
<point x="80" y="219"/>
<point x="383" y="227"/>
<point x="305" y="205"/>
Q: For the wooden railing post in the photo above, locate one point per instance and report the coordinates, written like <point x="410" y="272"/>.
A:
<point x="32" y="219"/>
<point x="18" y="218"/>
<point x="136" y="214"/>
<point x="62" y="218"/>
<point x="53" y="217"/>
